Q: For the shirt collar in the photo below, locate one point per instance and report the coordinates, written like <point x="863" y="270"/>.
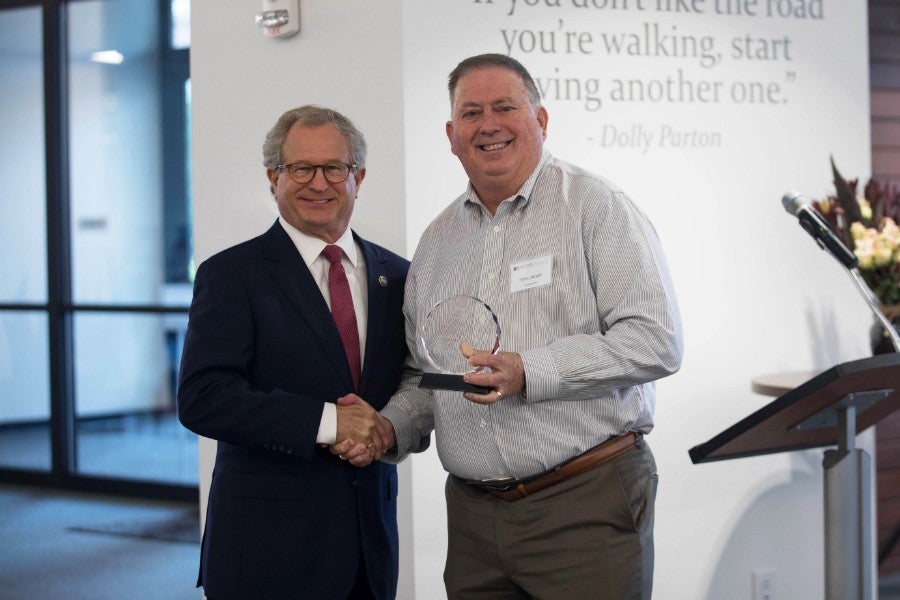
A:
<point x="524" y="192"/>
<point x="310" y="247"/>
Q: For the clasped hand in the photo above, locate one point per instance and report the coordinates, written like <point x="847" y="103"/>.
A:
<point x="363" y="435"/>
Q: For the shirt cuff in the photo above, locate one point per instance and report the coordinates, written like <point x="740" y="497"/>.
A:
<point x="328" y="425"/>
<point x="406" y="437"/>
<point x="541" y="374"/>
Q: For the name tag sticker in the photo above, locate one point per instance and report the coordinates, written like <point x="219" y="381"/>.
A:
<point x="531" y="273"/>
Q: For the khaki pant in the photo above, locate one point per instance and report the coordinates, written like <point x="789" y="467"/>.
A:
<point x="588" y="537"/>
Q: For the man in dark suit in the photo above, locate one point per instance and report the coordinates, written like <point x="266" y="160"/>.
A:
<point x="268" y="373"/>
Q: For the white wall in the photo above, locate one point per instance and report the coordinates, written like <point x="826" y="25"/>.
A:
<point x="757" y="296"/>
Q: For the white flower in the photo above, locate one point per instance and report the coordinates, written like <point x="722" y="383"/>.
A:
<point x="865" y="208"/>
<point x="858" y="231"/>
<point x="865" y="251"/>
<point x="890" y="231"/>
<point x="882" y="251"/>
<point x="876" y="248"/>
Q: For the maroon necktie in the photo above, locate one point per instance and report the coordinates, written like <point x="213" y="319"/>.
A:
<point x="342" y="309"/>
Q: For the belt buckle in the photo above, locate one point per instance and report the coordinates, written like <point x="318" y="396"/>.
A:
<point x="494" y="486"/>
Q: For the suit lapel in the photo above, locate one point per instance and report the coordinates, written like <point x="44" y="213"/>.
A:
<point x="377" y="284"/>
<point x="293" y="277"/>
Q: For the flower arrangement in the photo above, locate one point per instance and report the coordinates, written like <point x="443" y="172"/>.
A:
<point x="868" y="225"/>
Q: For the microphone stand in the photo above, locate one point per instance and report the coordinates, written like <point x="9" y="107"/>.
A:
<point x="812" y="223"/>
<point x="870" y="298"/>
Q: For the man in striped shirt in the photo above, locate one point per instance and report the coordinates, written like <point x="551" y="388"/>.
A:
<point x="551" y="488"/>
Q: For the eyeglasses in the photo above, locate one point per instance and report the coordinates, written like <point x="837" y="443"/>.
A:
<point x="303" y="172"/>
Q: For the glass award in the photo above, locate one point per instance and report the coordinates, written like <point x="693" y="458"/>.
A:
<point x="452" y="331"/>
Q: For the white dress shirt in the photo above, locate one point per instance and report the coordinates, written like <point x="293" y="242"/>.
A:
<point x="310" y="249"/>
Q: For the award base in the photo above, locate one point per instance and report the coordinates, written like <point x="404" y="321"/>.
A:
<point x="442" y="381"/>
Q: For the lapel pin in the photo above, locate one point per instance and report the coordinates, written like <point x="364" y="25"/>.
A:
<point x="382" y="281"/>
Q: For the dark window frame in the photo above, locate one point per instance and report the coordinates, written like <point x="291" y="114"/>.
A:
<point x="59" y="307"/>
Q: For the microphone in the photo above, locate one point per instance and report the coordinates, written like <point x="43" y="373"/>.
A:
<point x="812" y="222"/>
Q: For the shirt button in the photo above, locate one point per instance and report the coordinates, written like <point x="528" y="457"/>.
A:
<point x="491" y="276"/>
<point x="483" y="423"/>
<point x="496" y="228"/>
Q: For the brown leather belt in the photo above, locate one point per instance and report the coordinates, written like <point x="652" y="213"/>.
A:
<point x="516" y="489"/>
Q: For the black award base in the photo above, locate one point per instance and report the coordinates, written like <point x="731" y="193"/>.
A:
<point x="443" y="381"/>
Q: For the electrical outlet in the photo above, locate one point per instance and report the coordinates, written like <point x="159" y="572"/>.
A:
<point x="763" y="584"/>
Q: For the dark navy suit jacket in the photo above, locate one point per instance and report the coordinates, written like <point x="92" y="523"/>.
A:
<point x="286" y="518"/>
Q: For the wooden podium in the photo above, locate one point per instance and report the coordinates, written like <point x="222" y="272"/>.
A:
<point x="828" y="409"/>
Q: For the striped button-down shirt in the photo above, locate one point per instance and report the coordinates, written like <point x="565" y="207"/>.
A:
<point x="600" y="327"/>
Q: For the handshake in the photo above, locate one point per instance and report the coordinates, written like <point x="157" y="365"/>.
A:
<point x="363" y="435"/>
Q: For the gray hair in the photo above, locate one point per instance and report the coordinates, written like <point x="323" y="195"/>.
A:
<point x="312" y="116"/>
<point x="494" y="60"/>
